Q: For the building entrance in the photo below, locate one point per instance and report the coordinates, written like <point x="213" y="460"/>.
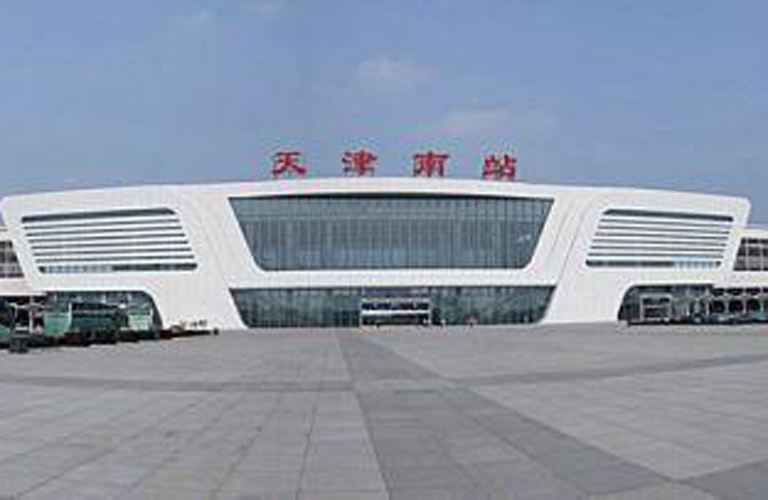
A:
<point x="656" y="308"/>
<point x="377" y="311"/>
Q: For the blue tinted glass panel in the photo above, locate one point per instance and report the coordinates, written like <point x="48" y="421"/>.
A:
<point x="391" y="231"/>
<point x="341" y="307"/>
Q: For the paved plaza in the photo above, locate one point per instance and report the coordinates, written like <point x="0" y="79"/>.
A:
<point x="567" y="412"/>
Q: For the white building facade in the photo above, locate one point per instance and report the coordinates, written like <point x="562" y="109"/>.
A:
<point x="340" y="252"/>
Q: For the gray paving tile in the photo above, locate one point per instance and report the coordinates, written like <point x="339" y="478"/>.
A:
<point x="617" y="478"/>
<point x="271" y="462"/>
<point x="624" y="371"/>
<point x="748" y="482"/>
<point x="666" y="491"/>
<point x="455" y="492"/>
<point x="15" y="481"/>
<point x="76" y="490"/>
<point x="517" y="478"/>
<point x="367" y="361"/>
<point x="425" y="478"/>
<point x="168" y="493"/>
<point x="114" y="474"/>
<point x="445" y="413"/>
<point x="342" y="480"/>
<point x="344" y="495"/>
<point x="536" y="413"/>
<point x="239" y="495"/>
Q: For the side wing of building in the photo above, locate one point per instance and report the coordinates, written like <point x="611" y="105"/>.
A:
<point x="750" y="269"/>
<point x="146" y="240"/>
<point x="317" y="252"/>
<point x="633" y="239"/>
<point x="12" y="282"/>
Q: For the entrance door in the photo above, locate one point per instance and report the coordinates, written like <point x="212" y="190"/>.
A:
<point x="377" y="311"/>
<point x="655" y="308"/>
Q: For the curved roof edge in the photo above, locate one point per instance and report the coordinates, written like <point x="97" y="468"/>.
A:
<point x="374" y="184"/>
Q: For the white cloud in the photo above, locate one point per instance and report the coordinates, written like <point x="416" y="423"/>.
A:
<point x="389" y="75"/>
<point x="207" y="20"/>
<point x="492" y="123"/>
<point x="197" y="22"/>
<point x="264" y="7"/>
<point x="474" y="123"/>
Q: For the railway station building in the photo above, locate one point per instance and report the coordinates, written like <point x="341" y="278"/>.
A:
<point x="357" y="251"/>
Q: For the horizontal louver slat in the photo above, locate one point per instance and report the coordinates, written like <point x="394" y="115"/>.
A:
<point x="109" y="241"/>
<point x="645" y="238"/>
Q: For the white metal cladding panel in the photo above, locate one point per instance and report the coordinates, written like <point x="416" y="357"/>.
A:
<point x="151" y="239"/>
<point x="645" y="238"/>
<point x="224" y="260"/>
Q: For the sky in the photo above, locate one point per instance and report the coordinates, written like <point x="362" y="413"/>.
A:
<point x="651" y="93"/>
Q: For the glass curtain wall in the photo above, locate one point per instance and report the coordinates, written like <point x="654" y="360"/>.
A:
<point x="128" y="299"/>
<point x="390" y="231"/>
<point x="681" y="302"/>
<point x="339" y="307"/>
<point x="753" y="255"/>
<point x="9" y="264"/>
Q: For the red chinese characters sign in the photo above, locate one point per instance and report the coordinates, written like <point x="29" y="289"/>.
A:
<point x="358" y="163"/>
<point x="429" y="164"/>
<point x="503" y="168"/>
<point x="288" y="164"/>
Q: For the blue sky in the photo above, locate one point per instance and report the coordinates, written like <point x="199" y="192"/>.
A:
<point x="655" y="93"/>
